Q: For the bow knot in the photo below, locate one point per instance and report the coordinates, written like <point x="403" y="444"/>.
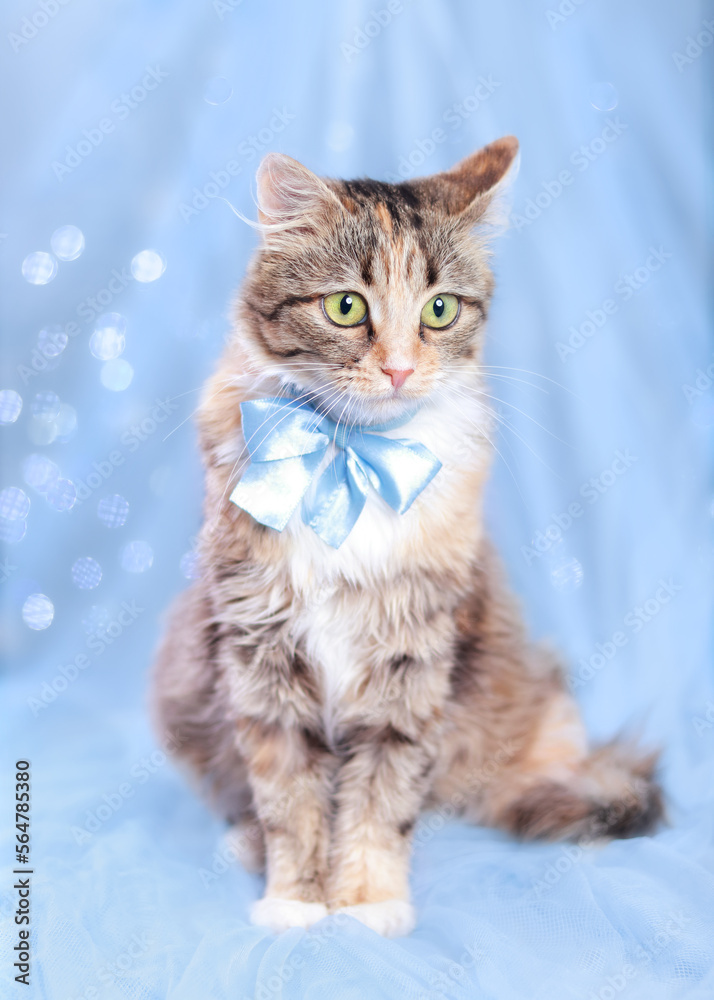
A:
<point x="287" y="441"/>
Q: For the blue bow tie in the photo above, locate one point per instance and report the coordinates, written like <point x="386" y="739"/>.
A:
<point x="288" y="439"/>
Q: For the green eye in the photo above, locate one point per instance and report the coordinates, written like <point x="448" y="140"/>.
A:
<point x="440" y="311"/>
<point x="345" y="308"/>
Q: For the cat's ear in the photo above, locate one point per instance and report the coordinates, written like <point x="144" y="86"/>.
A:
<point x="290" y="196"/>
<point x="473" y="189"/>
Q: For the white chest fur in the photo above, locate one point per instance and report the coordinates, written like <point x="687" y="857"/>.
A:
<point x="374" y="550"/>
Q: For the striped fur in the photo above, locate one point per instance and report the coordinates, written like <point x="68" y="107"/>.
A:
<point x="323" y="697"/>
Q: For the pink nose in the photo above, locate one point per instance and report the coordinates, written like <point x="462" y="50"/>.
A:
<point x="398" y="377"/>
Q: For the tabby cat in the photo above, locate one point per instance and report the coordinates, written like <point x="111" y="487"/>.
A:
<point x="351" y="653"/>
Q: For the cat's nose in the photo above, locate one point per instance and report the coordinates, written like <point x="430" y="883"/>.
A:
<point x="398" y="376"/>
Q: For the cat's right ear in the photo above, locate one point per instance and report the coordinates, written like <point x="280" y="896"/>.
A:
<point x="474" y="189"/>
<point x="291" y="197"/>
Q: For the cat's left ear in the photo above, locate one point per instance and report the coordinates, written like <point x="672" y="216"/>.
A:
<point x="291" y="197"/>
<point x="473" y="189"/>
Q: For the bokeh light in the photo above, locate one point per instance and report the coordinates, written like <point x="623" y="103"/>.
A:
<point x="148" y="265"/>
<point x="14" y="503"/>
<point x="137" y="557"/>
<point x="566" y="574"/>
<point x="603" y="96"/>
<point x="67" y="242"/>
<point x="12" y="532"/>
<point x="61" y="495"/>
<point x="95" y="618"/>
<point x="46" y="406"/>
<point x="190" y="565"/>
<point x="116" y="375"/>
<point x="66" y="423"/>
<point x="51" y="341"/>
<point x="113" y="511"/>
<point x="39" y="268"/>
<point x="40" y="472"/>
<point x="10" y="406"/>
<point x="108" y="340"/>
<point x="217" y="90"/>
<point x="86" y="573"/>
<point x="38" y="611"/>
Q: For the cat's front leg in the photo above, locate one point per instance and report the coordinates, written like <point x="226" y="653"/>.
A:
<point x="290" y="778"/>
<point x="379" y="791"/>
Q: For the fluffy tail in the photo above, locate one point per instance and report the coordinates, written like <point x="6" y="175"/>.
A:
<point x="612" y="793"/>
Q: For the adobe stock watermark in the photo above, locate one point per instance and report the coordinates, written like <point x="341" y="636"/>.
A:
<point x="694" y="46"/>
<point x="112" y="973"/>
<point x="591" y="491"/>
<point x="246" y="152"/>
<point x="441" y="984"/>
<point x="6" y="569"/>
<point x="634" y="621"/>
<point x="131" y="440"/>
<point x="223" y="7"/>
<point x="99" y="640"/>
<point x="475" y="781"/>
<point x="121" y="107"/>
<point x="564" y="10"/>
<point x="454" y="116"/>
<point x="32" y="25"/>
<point x="645" y="952"/>
<point x="701" y="384"/>
<point x="111" y="802"/>
<point x="582" y="157"/>
<point x="379" y="20"/>
<point x="312" y="941"/>
<point x="625" y="287"/>
<point x="704" y="723"/>
<point x="88" y="310"/>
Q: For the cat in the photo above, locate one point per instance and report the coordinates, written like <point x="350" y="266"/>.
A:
<point x="351" y="653"/>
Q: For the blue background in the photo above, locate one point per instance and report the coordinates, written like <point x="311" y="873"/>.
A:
<point x="129" y="908"/>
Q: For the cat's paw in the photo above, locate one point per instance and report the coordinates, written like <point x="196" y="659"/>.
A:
<point x="390" y="918"/>
<point x="279" y="914"/>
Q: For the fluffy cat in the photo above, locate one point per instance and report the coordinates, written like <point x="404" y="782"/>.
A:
<point x="325" y="692"/>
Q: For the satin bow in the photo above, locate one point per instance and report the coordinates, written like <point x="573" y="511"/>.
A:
<point x="287" y="440"/>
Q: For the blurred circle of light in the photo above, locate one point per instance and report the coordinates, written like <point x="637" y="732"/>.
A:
<point x="113" y="511"/>
<point x="46" y="406"/>
<point x="116" y="374"/>
<point x="217" y="90"/>
<point x="14" y="503"/>
<point x="66" y="423"/>
<point x="38" y="612"/>
<point x="12" y="532"/>
<point x="39" y="268"/>
<point x="67" y="242"/>
<point x="61" y="495"/>
<point x="39" y="472"/>
<point x="10" y="406"/>
<point x="108" y="340"/>
<point x="148" y="265"/>
<point x="137" y="557"/>
<point x="41" y="432"/>
<point x="51" y="341"/>
<point x="86" y="573"/>
<point x="566" y="574"/>
<point x="97" y="617"/>
<point x="603" y="96"/>
<point x="340" y="136"/>
<point x="190" y="566"/>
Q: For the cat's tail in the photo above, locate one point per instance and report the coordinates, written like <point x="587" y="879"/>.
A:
<point x="612" y="792"/>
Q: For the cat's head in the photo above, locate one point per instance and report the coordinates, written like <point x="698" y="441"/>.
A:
<point x="371" y="296"/>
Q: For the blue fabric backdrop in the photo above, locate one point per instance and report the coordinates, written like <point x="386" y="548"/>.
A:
<point x="129" y="121"/>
